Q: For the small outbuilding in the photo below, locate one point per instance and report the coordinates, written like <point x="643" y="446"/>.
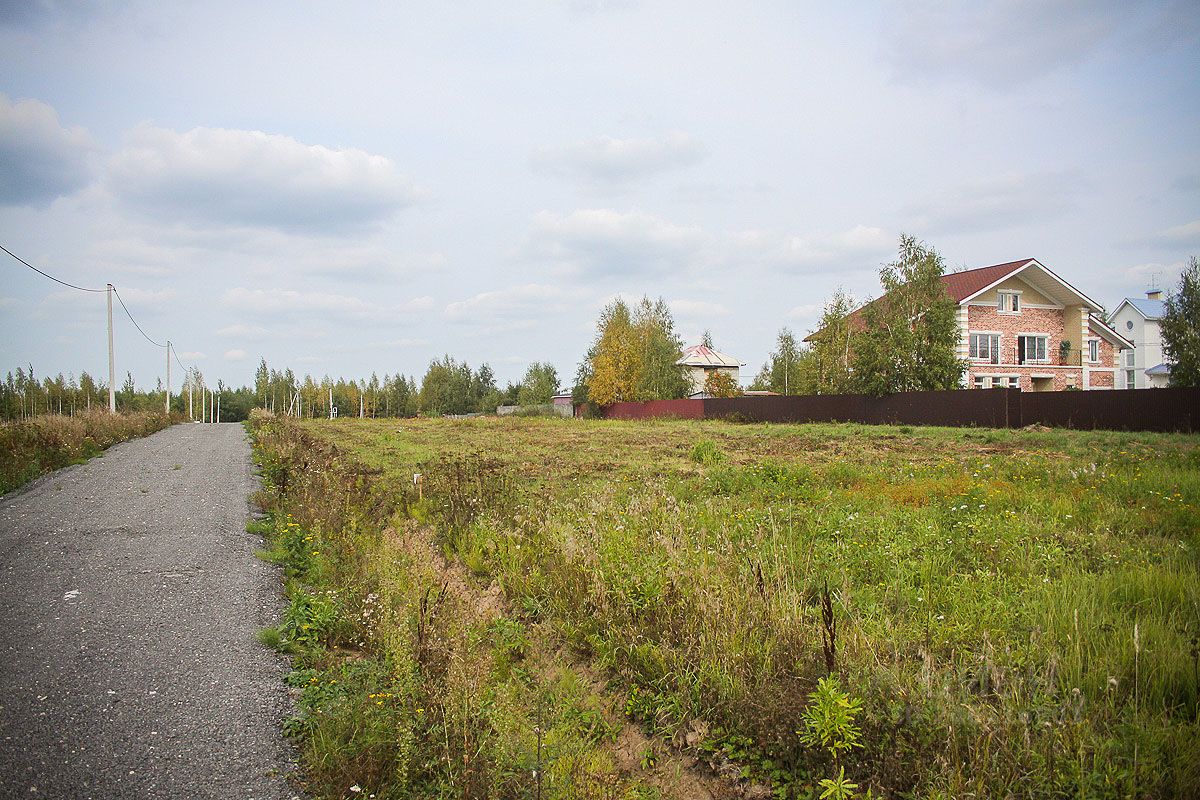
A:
<point x="701" y="360"/>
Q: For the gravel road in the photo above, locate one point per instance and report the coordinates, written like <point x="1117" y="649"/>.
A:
<point x="130" y="596"/>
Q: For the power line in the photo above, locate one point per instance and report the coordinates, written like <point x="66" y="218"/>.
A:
<point x="47" y="274"/>
<point x="134" y="321"/>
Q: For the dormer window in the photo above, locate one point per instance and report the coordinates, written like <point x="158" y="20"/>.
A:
<point x="1009" y="303"/>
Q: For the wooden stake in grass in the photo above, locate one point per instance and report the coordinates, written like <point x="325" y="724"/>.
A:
<point x="828" y="629"/>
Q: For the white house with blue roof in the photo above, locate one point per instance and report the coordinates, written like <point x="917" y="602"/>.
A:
<point x="1135" y="318"/>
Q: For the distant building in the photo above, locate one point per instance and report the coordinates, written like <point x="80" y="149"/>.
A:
<point x="700" y="361"/>
<point x="1021" y="326"/>
<point x="564" y="404"/>
<point x="1137" y="320"/>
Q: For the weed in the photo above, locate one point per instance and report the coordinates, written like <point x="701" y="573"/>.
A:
<point x="706" y="452"/>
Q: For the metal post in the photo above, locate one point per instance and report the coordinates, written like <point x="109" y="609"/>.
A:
<point x="168" y="400"/>
<point x="112" y="362"/>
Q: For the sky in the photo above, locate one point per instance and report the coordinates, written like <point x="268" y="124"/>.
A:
<point x="362" y="187"/>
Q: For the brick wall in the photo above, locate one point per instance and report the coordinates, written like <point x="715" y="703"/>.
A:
<point x="1048" y="321"/>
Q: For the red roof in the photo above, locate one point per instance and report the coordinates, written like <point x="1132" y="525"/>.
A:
<point x="959" y="285"/>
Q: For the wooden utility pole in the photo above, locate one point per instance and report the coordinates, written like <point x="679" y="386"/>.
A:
<point x="112" y="362"/>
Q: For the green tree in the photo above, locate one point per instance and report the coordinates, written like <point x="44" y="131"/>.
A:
<point x="539" y="384"/>
<point x="1180" y="327"/>
<point x="657" y="348"/>
<point x="910" y="336"/>
<point x="262" y="378"/>
<point x="789" y="368"/>
<point x="833" y="346"/>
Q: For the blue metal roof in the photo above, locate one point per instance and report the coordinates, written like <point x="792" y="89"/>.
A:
<point x="1161" y="369"/>
<point x="1151" y="309"/>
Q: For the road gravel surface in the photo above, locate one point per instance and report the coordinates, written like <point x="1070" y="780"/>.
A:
<point x="130" y="597"/>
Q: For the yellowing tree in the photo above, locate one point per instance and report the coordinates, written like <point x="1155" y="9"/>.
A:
<point x="718" y="383"/>
<point x="633" y="358"/>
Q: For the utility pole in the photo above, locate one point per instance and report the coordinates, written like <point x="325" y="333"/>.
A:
<point x="218" y="407"/>
<point x="191" y="380"/>
<point x="168" y="400"/>
<point x="331" y="402"/>
<point x="112" y="362"/>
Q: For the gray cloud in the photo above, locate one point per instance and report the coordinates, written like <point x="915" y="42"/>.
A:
<point x="213" y="176"/>
<point x="996" y="204"/>
<point x="609" y="160"/>
<point x="39" y="159"/>
<point x="1000" y="43"/>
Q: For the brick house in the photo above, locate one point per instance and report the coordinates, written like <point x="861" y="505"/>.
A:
<point x="1022" y="326"/>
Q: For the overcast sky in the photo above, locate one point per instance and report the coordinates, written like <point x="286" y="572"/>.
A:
<point x="358" y="189"/>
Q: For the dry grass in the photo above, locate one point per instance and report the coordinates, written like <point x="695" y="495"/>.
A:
<point x="35" y="446"/>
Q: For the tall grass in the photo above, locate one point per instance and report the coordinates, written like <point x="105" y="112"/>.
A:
<point x="35" y="446"/>
<point x="1019" y="612"/>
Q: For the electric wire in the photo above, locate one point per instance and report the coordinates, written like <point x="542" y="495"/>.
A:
<point x="134" y="321"/>
<point x="119" y="298"/>
<point x="47" y="274"/>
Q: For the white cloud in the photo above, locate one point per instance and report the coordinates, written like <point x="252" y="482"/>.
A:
<point x="998" y="43"/>
<point x="514" y="307"/>
<point x="608" y="160"/>
<point x="235" y="355"/>
<point x="997" y="203"/>
<point x="288" y="301"/>
<point x="214" y="176"/>
<point x="861" y="241"/>
<point x="697" y="309"/>
<point x="242" y="330"/>
<point x="612" y="242"/>
<point x="191" y="355"/>
<point x="146" y="298"/>
<point x="806" y="312"/>
<point x="39" y="159"/>
<point x="603" y="242"/>
<point x="1186" y="235"/>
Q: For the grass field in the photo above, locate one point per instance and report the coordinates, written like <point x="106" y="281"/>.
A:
<point x="568" y="608"/>
<point x="32" y="447"/>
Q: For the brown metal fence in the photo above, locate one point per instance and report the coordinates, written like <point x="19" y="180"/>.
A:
<point x="1127" y="409"/>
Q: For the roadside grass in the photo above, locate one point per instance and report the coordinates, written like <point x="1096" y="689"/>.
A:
<point x="409" y="683"/>
<point x="1017" y="611"/>
<point x="42" y="444"/>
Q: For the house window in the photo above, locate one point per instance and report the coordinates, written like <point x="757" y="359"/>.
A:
<point x="1130" y="382"/>
<point x="997" y="382"/>
<point x="1031" y="349"/>
<point x="1093" y="350"/>
<point x="1128" y="356"/>
<point x="1009" y="302"/>
<point x="986" y="347"/>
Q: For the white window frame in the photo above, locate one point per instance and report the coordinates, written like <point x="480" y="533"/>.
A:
<point x="1093" y="347"/>
<point x="1008" y="301"/>
<point x="993" y="338"/>
<point x="1045" y="337"/>
<point x="1006" y="381"/>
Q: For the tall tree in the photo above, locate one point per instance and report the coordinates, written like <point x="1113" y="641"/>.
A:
<point x="833" y="346"/>
<point x="1180" y="327"/>
<point x="613" y="368"/>
<point x="539" y="384"/>
<point x="658" y="347"/>
<point x="788" y="369"/>
<point x="910" y="336"/>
